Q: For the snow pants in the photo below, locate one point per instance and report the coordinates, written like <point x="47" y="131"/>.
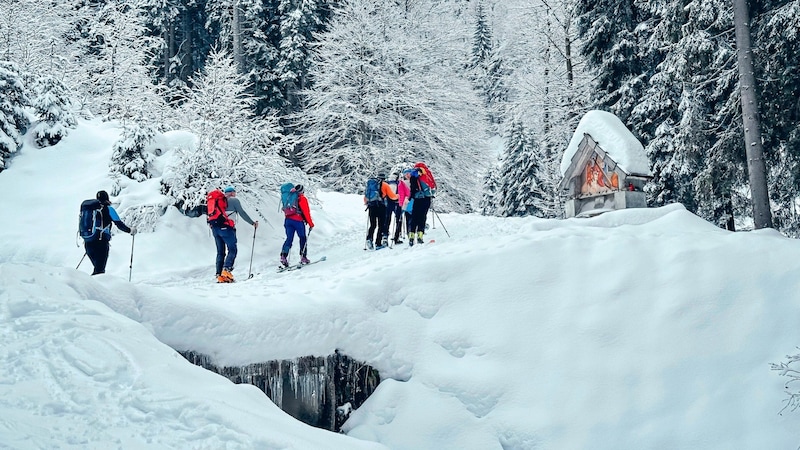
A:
<point x="377" y="219"/>
<point x="225" y="237"/>
<point x="97" y="251"/>
<point x="419" y="214"/>
<point x="294" y="226"/>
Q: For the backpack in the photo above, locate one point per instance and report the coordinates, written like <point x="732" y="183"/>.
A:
<point x="216" y="204"/>
<point x="373" y="191"/>
<point x="289" y="199"/>
<point x="426" y="176"/>
<point x="393" y="185"/>
<point x="90" y="220"/>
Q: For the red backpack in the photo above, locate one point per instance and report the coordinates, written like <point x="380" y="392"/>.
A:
<point x="426" y="175"/>
<point x="216" y="204"/>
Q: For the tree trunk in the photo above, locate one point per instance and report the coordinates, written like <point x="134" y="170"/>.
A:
<point x="762" y="215"/>
<point x="236" y="31"/>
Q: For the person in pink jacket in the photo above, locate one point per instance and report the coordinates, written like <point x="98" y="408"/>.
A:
<point x="401" y="188"/>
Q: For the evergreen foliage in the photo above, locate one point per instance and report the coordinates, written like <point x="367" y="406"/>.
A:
<point x="130" y="157"/>
<point x="520" y="190"/>
<point x="51" y="103"/>
<point x="490" y="199"/>
<point x="13" y="120"/>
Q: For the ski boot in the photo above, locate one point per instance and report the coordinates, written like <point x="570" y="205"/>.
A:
<point x="410" y="239"/>
<point x="369" y="245"/>
<point x="225" y="277"/>
<point x="304" y="260"/>
<point x="419" y="238"/>
<point x="284" y="260"/>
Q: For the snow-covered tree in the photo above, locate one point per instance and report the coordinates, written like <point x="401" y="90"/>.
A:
<point x="129" y="157"/>
<point x="491" y="186"/>
<point x="52" y="104"/>
<point x="775" y="31"/>
<point x="119" y="75"/>
<point x="613" y="46"/>
<point x="13" y="121"/>
<point x="231" y="147"/>
<point x="385" y="93"/>
<point x="520" y="188"/>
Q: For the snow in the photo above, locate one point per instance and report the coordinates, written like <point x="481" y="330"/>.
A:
<point x="614" y="138"/>
<point x="641" y="328"/>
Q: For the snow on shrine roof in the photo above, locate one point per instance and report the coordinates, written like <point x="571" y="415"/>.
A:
<point x="614" y="138"/>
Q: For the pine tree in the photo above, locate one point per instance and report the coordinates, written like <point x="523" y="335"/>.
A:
<point x="774" y="30"/>
<point x="613" y="47"/>
<point x="520" y="190"/>
<point x="13" y="99"/>
<point x="51" y="103"/>
<point x="489" y="205"/>
<point x="130" y="157"/>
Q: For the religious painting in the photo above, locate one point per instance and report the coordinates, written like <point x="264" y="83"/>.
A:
<point x="597" y="179"/>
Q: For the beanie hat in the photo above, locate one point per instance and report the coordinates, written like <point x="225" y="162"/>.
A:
<point x="103" y="197"/>
<point x="381" y="175"/>
<point x="228" y="189"/>
<point x="299" y="188"/>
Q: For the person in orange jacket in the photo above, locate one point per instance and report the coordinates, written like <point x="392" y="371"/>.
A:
<point x="296" y="223"/>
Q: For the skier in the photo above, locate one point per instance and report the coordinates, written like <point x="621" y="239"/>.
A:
<point x="225" y="236"/>
<point x="295" y="222"/>
<point x="377" y="194"/>
<point x="421" y="194"/>
<point x="95" y="227"/>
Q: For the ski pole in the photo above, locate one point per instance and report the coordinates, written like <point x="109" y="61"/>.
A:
<point x="440" y="221"/>
<point x="368" y="236"/>
<point x="303" y="252"/>
<point x="250" y="270"/>
<point x="81" y="261"/>
<point x="130" y="271"/>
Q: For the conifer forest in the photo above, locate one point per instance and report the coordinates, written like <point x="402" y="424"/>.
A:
<point x="487" y="92"/>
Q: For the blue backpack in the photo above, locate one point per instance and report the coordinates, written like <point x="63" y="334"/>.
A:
<point x="289" y="199"/>
<point x="373" y="191"/>
<point x="90" y="220"/>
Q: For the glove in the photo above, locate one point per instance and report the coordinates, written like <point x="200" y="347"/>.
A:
<point x="133" y="231"/>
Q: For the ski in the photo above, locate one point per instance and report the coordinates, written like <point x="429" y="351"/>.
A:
<point x="299" y="266"/>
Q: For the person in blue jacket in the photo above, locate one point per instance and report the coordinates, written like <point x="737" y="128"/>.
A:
<point x="97" y="249"/>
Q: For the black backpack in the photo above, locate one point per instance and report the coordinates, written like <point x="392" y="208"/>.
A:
<point x="90" y="222"/>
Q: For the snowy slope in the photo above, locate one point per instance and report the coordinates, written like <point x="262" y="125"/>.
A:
<point x="634" y="329"/>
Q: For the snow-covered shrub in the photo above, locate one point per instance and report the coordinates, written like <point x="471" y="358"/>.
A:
<point x="232" y="146"/>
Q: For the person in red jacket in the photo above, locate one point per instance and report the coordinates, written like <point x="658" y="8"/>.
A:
<point x="296" y="223"/>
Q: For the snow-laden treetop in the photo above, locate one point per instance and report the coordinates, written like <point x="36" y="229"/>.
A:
<point x="614" y="138"/>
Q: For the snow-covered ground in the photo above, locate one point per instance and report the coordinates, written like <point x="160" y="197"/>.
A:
<point x="638" y="329"/>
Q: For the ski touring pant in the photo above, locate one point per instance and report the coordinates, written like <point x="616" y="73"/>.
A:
<point x="377" y="219"/>
<point x="419" y="214"/>
<point x="225" y="237"/>
<point x="97" y="251"/>
<point x="294" y="226"/>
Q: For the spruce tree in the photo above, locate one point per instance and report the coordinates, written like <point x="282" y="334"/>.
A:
<point x="520" y="187"/>
<point x="52" y="105"/>
<point x="13" y="99"/>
